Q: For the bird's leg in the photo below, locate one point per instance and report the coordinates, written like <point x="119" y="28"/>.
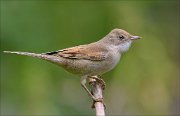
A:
<point x="83" y="83"/>
<point x="99" y="80"/>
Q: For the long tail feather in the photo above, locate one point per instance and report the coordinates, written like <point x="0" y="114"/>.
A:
<point x="24" y="53"/>
<point x="47" y="57"/>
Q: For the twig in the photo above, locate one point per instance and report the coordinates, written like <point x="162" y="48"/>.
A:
<point x="97" y="92"/>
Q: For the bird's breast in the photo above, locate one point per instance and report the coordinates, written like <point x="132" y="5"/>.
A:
<point x="113" y="60"/>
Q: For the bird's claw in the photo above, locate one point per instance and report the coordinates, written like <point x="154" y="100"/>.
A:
<point x="98" y="100"/>
<point x="100" y="81"/>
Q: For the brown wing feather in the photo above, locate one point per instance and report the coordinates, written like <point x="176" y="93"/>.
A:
<point x="81" y="52"/>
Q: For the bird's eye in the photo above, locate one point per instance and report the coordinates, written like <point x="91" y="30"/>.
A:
<point x="121" y="37"/>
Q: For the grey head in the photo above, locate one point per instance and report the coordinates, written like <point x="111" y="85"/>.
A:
<point x="119" y="39"/>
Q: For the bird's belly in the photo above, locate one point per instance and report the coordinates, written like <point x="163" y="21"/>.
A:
<point x="103" y="66"/>
<point x="87" y="67"/>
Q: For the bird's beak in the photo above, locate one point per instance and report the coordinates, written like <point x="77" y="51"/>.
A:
<point x="135" y="37"/>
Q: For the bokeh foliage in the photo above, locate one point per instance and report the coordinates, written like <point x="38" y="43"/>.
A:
<point x="146" y="81"/>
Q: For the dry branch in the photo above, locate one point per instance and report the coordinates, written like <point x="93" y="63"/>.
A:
<point x="97" y="90"/>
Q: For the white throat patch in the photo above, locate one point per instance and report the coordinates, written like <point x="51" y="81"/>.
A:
<point x="122" y="47"/>
<point x="125" y="46"/>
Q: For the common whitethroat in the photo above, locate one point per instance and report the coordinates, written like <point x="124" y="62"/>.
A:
<point x="90" y="60"/>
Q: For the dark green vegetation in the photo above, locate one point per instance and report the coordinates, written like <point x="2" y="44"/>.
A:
<point x="146" y="81"/>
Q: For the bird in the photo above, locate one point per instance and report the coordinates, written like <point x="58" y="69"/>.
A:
<point x="90" y="60"/>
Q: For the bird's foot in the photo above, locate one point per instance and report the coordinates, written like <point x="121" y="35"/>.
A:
<point x="99" y="80"/>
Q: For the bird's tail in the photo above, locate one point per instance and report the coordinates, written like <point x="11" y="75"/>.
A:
<point x="47" y="57"/>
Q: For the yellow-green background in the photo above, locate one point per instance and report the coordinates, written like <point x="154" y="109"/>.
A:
<point x="145" y="82"/>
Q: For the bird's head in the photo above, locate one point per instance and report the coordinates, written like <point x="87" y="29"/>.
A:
<point x="119" y="39"/>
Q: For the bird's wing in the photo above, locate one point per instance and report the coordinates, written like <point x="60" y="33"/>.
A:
<point x="81" y="52"/>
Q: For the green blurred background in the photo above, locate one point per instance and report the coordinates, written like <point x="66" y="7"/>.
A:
<point x="145" y="82"/>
